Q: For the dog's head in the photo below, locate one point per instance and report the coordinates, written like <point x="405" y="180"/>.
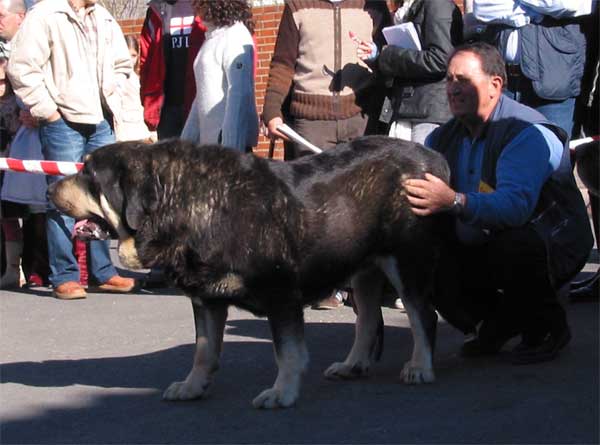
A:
<point x="112" y="191"/>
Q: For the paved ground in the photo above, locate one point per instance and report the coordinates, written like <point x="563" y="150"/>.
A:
<point x="92" y="371"/>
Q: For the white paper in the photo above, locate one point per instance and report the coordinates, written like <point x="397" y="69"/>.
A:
<point x="287" y="130"/>
<point x="403" y="35"/>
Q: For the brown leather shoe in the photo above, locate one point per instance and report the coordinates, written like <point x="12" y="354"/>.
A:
<point x="69" y="290"/>
<point x="117" y="284"/>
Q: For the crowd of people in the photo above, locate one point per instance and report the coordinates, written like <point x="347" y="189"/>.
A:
<point x="499" y="91"/>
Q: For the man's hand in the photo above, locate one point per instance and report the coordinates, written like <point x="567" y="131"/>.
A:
<point x="365" y="51"/>
<point x="53" y="117"/>
<point x="428" y="196"/>
<point x="272" y="132"/>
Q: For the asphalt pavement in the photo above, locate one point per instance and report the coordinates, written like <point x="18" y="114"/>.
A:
<point x="92" y="371"/>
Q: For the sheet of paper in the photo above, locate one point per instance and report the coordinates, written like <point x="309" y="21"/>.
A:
<point x="403" y="35"/>
<point x="287" y="130"/>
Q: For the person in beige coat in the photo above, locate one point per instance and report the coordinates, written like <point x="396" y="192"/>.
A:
<point x="67" y="60"/>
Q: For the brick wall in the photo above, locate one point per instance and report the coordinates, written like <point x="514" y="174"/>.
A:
<point x="267" y="14"/>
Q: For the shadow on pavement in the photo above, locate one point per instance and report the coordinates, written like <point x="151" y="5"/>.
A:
<point x="118" y="399"/>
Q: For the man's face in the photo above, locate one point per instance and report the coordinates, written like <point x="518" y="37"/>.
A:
<point x="471" y="92"/>
<point x="9" y="22"/>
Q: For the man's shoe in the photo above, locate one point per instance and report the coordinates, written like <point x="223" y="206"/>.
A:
<point x="587" y="290"/>
<point x="475" y="346"/>
<point x="528" y="341"/>
<point x="118" y="284"/>
<point x="334" y="301"/>
<point x="69" y="290"/>
<point x="488" y="341"/>
<point x="547" y="350"/>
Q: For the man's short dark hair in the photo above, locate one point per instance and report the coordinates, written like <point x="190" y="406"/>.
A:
<point x="491" y="60"/>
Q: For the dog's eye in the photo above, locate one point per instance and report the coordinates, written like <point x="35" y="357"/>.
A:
<point x="89" y="175"/>
<point x="88" y="171"/>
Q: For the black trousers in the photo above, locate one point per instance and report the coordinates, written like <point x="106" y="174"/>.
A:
<point x="506" y="279"/>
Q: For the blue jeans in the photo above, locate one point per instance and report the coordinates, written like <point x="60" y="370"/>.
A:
<point x="66" y="141"/>
<point x="559" y="112"/>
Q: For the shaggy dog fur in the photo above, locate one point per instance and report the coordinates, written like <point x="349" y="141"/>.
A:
<point x="271" y="237"/>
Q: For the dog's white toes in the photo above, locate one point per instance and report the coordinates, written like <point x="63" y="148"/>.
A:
<point x="415" y="375"/>
<point x="185" y="391"/>
<point x="338" y="371"/>
<point x="274" y="398"/>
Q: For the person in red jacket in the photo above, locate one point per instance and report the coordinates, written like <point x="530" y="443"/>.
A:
<point x="170" y="39"/>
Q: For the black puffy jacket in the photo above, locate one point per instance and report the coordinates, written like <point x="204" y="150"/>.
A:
<point x="418" y="91"/>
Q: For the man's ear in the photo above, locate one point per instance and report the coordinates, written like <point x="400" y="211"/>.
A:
<point x="496" y="85"/>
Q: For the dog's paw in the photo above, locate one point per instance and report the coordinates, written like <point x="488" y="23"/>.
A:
<point x="274" y="398"/>
<point x="415" y="375"/>
<point x="344" y="371"/>
<point x="186" y="390"/>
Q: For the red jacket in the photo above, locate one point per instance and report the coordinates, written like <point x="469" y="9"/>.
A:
<point x="152" y="62"/>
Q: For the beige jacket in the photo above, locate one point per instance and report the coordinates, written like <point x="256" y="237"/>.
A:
<point x="128" y="115"/>
<point x="49" y="67"/>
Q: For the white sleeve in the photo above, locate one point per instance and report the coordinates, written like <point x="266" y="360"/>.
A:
<point x="560" y="8"/>
<point x="507" y="12"/>
<point x="191" y="129"/>
<point x="238" y="63"/>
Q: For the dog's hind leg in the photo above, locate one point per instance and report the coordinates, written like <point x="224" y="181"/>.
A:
<point x="287" y="327"/>
<point x="210" y="324"/>
<point x="368" y="337"/>
<point x="422" y="318"/>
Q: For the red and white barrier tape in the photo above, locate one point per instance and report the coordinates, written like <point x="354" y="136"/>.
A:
<point x="52" y="168"/>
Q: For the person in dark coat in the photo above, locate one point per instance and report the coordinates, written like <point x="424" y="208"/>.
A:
<point x="418" y="94"/>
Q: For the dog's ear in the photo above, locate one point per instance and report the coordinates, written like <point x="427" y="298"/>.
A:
<point x="141" y="200"/>
<point x="134" y="211"/>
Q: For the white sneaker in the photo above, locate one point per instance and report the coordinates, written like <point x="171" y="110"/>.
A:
<point x="399" y="305"/>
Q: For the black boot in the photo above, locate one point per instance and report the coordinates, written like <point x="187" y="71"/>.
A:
<point x="543" y="343"/>
<point x="586" y="290"/>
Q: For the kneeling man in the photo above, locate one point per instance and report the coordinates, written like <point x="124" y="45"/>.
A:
<point x="521" y="227"/>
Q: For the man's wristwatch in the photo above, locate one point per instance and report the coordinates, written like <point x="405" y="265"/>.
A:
<point x="459" y="203"/>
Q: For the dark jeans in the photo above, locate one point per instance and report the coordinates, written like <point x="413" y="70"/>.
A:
<point x="507" y="278"/>
<point x="66" y="141"/>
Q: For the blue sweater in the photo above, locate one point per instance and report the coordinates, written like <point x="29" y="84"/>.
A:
<point x="524" y="166"/>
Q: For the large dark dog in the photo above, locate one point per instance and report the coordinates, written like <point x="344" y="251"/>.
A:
<point x="271" y="237"/>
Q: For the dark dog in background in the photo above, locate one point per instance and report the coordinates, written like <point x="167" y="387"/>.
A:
<point x="271" y="237"/>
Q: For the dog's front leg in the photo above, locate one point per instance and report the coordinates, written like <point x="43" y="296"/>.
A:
<point x="210" y="324"/>
<point x="287" y="326"/>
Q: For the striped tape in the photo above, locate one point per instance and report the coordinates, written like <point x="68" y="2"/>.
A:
<point x="52" y="168"/>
